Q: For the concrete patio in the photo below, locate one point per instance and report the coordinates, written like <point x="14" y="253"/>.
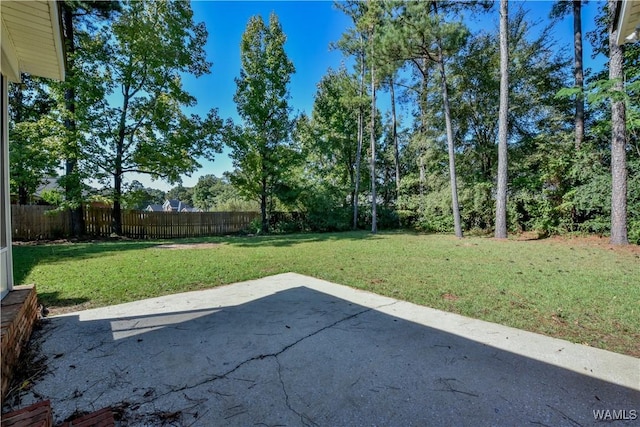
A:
<point x="293" y="350"/>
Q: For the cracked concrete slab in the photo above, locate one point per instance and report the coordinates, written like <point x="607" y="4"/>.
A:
<point x="291" y="350"/>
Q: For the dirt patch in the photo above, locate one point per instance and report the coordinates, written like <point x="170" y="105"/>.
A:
<point x="594" y="241"/>
<point x="56" y="311"/>
<point x="529" y="235"/>
<point x="586" y="240"/>
<point x="72" y="240"/>
<point x="41" y="242"/>
<point x="450" y="297"/>
<point x="177" y="246"/>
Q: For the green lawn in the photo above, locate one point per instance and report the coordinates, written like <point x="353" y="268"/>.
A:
<point x="578" y="289"/>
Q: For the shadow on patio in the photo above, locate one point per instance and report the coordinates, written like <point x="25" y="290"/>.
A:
<point x="304" y="353"/>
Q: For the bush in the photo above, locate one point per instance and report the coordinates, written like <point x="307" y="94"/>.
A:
<point x="387" y="218"/>
<point x="332" y="219"/>
<point x="407" y="218"/>
<point x="324" y="209"/>
<point x="435" y="214"/>
<point x="255" y="227"/>
<point x="477" y="206"/>
<point x="634" y="232"/>
<point x="287" y="222"/>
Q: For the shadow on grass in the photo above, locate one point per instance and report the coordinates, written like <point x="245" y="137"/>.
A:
<point x="53" y="299"/>
<point x="26" y="257"/>
<point x="288" y="240"/>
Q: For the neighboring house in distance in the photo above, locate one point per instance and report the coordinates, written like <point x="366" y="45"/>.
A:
<point x="52" y="184"/>
<point x="154" y="208"/>
<point x="190" y="209"/>
<point x="172" y="205"/>
<point x="48" y="184"/>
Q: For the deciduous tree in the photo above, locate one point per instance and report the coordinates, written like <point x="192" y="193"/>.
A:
<point x="213" y="193"/>
<point x="333" y="146"/>
<point x="261" y="146"/>
<point x="141" y="126"/>
<point x="34" y="136"/>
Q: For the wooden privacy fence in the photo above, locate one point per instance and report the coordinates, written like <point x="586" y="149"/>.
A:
<point x="32" y="222"/>
<point x="167" y="225"/>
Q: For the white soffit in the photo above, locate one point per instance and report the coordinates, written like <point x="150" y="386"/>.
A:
<point x="31" y="39"/>
<point x="628" y="21"/>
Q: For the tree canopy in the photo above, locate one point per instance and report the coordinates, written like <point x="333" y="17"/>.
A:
<point x="261" y="145"/>
<point x="408" y="127"/>
<point x="140" y="124"/>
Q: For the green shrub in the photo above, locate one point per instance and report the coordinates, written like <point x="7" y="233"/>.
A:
<point x="634" y="232"/>
<point x="386" y="218"/>
<point x="477" y="206"/>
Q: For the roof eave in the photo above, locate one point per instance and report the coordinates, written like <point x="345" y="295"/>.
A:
<point x="628" y="22"/>
<point x="56" y="25"/>
<point x="14" y="60"/>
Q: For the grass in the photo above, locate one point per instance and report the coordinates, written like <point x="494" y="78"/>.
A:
<point x="577" y="289"/>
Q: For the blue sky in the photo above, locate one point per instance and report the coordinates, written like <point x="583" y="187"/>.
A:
<point x="310" y="27"/>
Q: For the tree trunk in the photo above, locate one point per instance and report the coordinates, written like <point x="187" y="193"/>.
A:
<point x="116" y="213"/>
<point x="116" y="216"/>
<point x="360" y="141"/>
<point x="422" y="179"/>
<point x="501" y="193"/>
<point x="618" y="138"/>
<point x="263" y="207"/>
<point x="73" y="189"/>
<point x="374" y="202"/>
<point x="23" y="191"/>
<point x="423" y="128"/>
<point x="350" y="170"/>
<point x="452" y="154"/>
<point x="23" y="195"/>
<point x="579" y="73"/>
<point x="394" y="135"/>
